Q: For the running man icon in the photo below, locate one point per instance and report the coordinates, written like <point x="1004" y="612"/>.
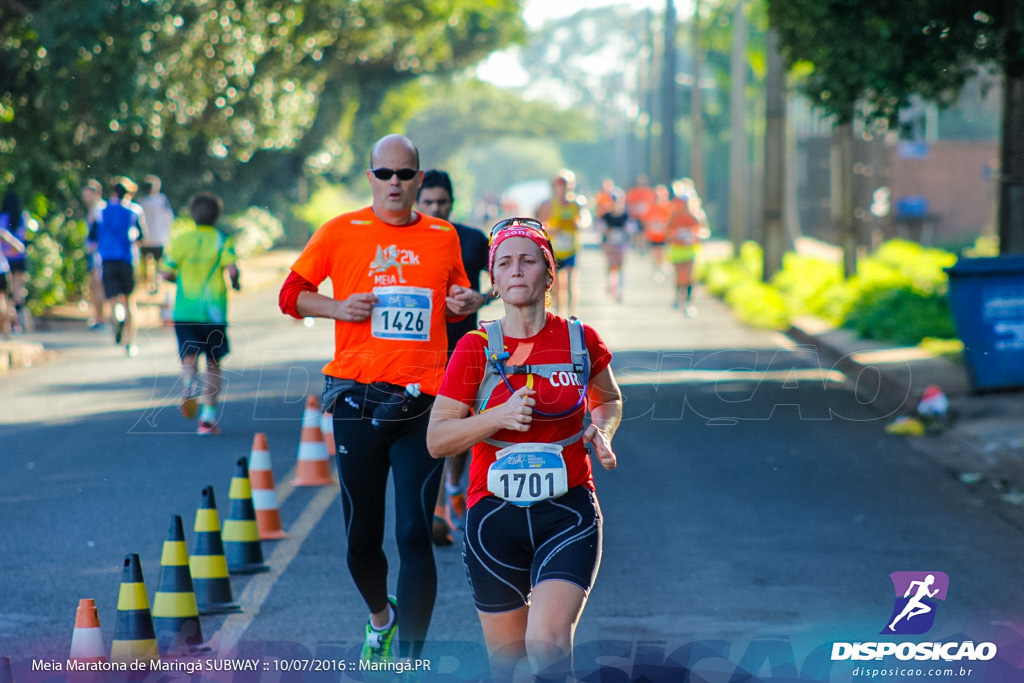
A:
<point x="919" y="591"/>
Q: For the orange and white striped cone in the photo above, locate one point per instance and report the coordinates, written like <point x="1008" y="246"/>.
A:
<point x="264" y="493"/>
<point x="175" y="613"/>
<point x="313" y="467"/>
<point x="134" y="637"/>
<point x="87" y="639"/>
<point x="240" y="534"/>
<point x="207" y="564"/>
<point x="327" y="429"/>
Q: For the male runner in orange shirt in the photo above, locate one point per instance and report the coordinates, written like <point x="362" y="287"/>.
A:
<point x="397" y="276"/>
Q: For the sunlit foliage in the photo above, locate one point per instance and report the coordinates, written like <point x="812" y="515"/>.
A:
<point x="241" y="94"/>
<point x="868" y="57"/>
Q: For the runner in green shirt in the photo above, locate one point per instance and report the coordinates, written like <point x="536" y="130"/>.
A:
<point x="197" y="260"/>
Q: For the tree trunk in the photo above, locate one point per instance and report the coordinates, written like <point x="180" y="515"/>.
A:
<point x="696" y="108"/>
<point x="773" y="237"/>
<point x="842" y="195"/>
<point x="668" y="96"/>
<point x="1011" y="184"/>
<point x="648" y="96"/>
<point x="739" y="169"/>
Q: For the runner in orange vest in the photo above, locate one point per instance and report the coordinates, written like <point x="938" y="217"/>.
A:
<point x="687" y="225"/>
<point x="655" y="229"/>
<point x="639" y="200"/>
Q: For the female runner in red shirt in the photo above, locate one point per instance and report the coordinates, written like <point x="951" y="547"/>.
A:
<point x="533" y="529"/>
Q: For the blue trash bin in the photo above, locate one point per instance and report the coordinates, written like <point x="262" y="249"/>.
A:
<point x="986" y="297"/>
<point x="911" y="207"/>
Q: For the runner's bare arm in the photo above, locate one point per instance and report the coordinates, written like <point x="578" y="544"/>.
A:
<point x="453" y="430"/>
<point x="544" y="212"/>
<point x="605" y="414"/>
<point x="13" y="241"/>
<point x="356" y="308"/>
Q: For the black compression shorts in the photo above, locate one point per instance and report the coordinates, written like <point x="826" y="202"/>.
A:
<point x="509" y="549"/>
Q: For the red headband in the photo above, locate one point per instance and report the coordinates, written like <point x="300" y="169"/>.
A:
<point x="520" y="231"/>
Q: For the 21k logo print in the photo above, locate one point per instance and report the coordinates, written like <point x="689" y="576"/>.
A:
<point x="916" y="599"/>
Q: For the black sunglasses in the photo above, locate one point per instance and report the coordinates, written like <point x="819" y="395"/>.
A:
<point x="386" y="173"/>
<point x="531" y="223"/>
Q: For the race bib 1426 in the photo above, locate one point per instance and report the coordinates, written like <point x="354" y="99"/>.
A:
<point x="402" y="313"/>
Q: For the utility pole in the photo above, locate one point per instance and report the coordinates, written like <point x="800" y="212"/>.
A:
<point x="772" y="235"/>
<point x="739" y="170"/>
<point x="842" y="195"/>
<point x="696" y="106"/>
<point x="668" y="96"/>
<point x="649" y="93"/>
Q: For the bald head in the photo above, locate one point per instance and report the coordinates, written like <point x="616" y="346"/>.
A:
<point x="394" y="195"/>
<point x="389" y="145"/>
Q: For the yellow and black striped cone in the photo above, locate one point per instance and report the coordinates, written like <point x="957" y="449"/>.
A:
<point x="208" y="564"/>
<point x="241" y="534"/>
<point x="134" y="638"/>
<point x="175" y="612"/>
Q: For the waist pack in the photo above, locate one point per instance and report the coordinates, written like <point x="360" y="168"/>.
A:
<point x="390" y="407"/>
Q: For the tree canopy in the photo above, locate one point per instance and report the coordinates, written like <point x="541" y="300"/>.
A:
<point x="866" y="58"/>
<point x="469" y="112"/>
<point x="870" y="56"/>
<point x="242" y="94"/>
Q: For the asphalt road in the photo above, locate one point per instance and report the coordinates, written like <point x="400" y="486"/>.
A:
<point x="755" y="517"/>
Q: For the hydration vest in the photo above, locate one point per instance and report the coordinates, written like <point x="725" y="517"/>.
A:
<point x="496" y="355"/>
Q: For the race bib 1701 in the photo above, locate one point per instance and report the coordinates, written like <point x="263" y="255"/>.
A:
<point x="528" y="473"/>
<point x="402" y="313"/>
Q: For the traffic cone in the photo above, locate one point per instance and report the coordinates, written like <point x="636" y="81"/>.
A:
<point x="87" y="639"/>
<point x="134" y="638"/>
<point x="264" y="494"/>
<point x="175" y="613"/>
<point x="208" y="565"/>
<point x="313" y="469"/>
<point x="327" y="429"/>
<point x="241" y="535"/>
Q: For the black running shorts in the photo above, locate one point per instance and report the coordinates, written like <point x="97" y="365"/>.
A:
<point x="118" y="278"/>
<point x="206" y="338"/>
<point x="509" y="549"/>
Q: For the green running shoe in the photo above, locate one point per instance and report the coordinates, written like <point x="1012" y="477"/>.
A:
<point x="377" y="644"/>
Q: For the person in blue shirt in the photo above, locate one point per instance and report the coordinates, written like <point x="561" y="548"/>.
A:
<point x="120" y="225"/>
<point x="11" y="244"/>
<point x="16" y="222"/>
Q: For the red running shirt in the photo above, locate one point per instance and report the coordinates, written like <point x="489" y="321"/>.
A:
<point x="551" y="345"/>
<point x="410" y="268"/>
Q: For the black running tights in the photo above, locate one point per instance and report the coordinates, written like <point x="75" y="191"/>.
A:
<point x="365" y="457"/>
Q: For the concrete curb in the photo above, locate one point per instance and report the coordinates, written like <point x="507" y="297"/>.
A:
<point x="20" y="354"/>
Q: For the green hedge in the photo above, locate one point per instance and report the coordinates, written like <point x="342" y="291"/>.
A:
<point x="899" y="292"/>
<point x="57" y="263"/>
